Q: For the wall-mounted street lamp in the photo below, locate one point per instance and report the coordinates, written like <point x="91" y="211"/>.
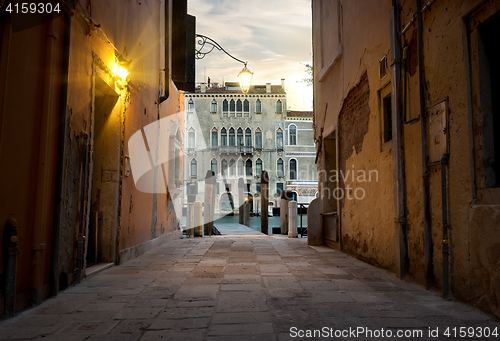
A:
<point x="245" y="76"/>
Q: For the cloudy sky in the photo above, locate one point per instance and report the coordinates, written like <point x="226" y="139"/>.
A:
<point x="274" y="36"/>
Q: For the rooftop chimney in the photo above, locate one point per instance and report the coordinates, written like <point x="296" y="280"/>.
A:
<point x="283" y="83"/>
<point x="203" y="88"/>
<point x="268" y="88"/>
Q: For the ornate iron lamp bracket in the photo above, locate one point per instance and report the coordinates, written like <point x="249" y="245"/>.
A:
<point x="209" y="45"/>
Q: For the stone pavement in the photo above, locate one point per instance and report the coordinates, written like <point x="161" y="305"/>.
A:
<point x="240" y="288"/>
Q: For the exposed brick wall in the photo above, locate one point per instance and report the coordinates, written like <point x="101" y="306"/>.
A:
<point x="353" y="120"/>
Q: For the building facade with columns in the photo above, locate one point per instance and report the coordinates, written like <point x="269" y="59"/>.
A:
<point x="237" y="136"/>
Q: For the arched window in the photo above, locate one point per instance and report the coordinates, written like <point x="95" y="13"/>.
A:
<point x="223" y="137"/>
<point x="190" y="105"/>
<point x="232" y="167"/>
<point x="223" y="168"/>
<point x="238" y="108"/>
<point x="246" y="108"/>
<point x="194" y="168"/>
<point x="240" y="167"/>
<point x="293" y="169"/>
<point x="224" y="108"/>
<point x="215" y="137"/>
<point x="292" y="135"/>
<point x="258" y="106"/>
<point x="239" y="137"/>
<point x="279" y="138"/>
<point x="213" y="107"/>
<point x="213" y="166"/>
<point x="191" y="138"/>
<point x="232" y="140"/>
<point x="248" y="137"/>
<point x="231" y="108"/>
<point x="248" y="167"/>
<point x="280" y="167"/>
<point x="258" y="167"/>
<point x="279" y="106"/>
<point x="258" y="138"/>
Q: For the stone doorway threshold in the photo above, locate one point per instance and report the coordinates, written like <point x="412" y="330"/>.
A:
<point x="96" y="268"/>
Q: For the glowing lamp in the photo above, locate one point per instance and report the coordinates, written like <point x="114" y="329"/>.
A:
<point x="120" y="71"/>
<point x="245" y="77"/>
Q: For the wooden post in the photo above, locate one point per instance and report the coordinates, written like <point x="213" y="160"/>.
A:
<point x="264" y="223"/>
<point x="292" y="219"/>
<point x="209" y="202"/>
<point x="241" y="200"/>
<point x="246" y="214"/>
<point x="286" y="196"/>
<point x="190" y="216"/>
<point x="198" y="219"/>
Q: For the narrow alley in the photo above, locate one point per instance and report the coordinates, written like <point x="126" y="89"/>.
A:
<point x="245" y="287"/>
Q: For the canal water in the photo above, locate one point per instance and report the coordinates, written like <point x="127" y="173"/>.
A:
<point x="255" y="222"/>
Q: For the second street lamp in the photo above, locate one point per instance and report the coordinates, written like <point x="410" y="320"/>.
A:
<point x="245" y="76"/>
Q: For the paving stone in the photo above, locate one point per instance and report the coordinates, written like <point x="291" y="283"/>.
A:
<point x="101" y="307"/>
<point x="93" y="315"/>
<point x="241" y="329"/>
<point x="131" y="326"/>
<point x="157" y="292"/>
<point x="89" y="327"/>
<point x="184" y="312"/>
<point x="281" y="281"/>
<point x="267" y="337"/>
<point x="180" y="324"/>
<point x="27" y="332"/>
<point x="370" y="297"/>
<point x="169" y="335"/>
<point x="61" y="337"/>
<point x="269" y="258"/>
<point x="230" y="301"/>
<point x="148" y="302"/>
<point x="241" y="318"/>
<point x="235" y="279"/>
<point x="271" y="269"/>
<point x="129" y="313"/>
<point x="288" y="293"/>
<point x="242" y="287"/>
<point x="190" y="304"/>
<point x="196" y="292"/>
<point x="332" y="309"/>
<point x="250" y="269"/>
<point x="214" y="279"/>
<point x="116" y="337"/>
<point x="314" y="286"/>
<point x="332" y="296"/>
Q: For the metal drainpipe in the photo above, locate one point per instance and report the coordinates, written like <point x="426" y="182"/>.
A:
<point x="56" y="229"/>
<point x="10" y="269"/>
<point x="83" y="191"/>
<point x="429" y="271"/>
<point x="444" y="203"/>
<point x="398" y="144"/>
<point x="167" y="50"/>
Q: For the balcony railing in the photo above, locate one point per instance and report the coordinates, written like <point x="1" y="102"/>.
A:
<point x="236" y="149"/>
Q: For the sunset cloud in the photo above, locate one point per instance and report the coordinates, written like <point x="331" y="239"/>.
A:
<point x="273" y="36"/>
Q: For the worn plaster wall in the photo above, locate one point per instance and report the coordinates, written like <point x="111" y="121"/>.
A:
<point x="473" y="231"/>
<point x="28" y="142"/>
<point x="367" y="227"/>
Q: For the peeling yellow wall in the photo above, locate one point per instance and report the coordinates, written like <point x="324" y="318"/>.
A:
<point x="367" y="226"/>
